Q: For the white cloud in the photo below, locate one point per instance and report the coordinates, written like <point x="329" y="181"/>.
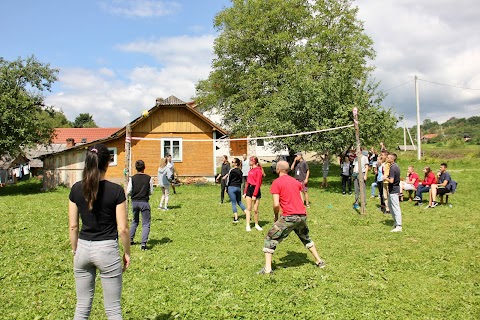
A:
<point x="140" y="8"/>
<point x="115" y="102"/>
<point x="438" y="41"/>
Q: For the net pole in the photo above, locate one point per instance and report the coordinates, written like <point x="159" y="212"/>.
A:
<point x="360" y="176"/>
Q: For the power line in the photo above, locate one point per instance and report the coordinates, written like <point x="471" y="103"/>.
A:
<point x="398" y="85"/>
<point x="448" y="85"/>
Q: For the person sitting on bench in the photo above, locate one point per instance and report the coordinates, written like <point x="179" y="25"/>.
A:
<point x="442" y="187"/>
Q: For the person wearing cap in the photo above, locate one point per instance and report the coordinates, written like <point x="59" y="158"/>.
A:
<point x="302" y="173"/>
<point x="356" y="181"/>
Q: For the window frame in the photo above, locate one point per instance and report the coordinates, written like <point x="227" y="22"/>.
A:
<point x="171" y="140"/>
<point x="115" y="157"/>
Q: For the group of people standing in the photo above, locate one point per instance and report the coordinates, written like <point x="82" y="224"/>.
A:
<point x="231" y="179"/>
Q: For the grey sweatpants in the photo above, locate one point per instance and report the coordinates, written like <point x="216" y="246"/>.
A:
<point x="104" y="256"/>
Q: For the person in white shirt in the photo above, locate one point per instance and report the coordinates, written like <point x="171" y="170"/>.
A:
<point x="356" y="181"/>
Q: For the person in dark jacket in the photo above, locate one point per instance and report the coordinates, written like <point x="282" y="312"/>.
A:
<point x="140" y="187"/>
<point x="234" y="184"/>
<point x="220" y="177"/>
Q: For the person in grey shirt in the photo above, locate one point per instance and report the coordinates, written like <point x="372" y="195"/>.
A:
<point x="393" y="192"/>
<point x="245" y="170"/>
<point x="302" y="173"/>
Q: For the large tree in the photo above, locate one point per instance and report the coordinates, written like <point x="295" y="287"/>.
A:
<point x="54" y="118"/>
<point x="22" y="83"/>
<point x="287" y="66"/>
<point x="84" y="120"/>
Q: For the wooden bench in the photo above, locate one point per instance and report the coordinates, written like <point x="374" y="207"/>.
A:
<point x="446" y="197"/>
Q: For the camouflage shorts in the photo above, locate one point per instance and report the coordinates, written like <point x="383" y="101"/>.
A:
<point x="282" y="228"/>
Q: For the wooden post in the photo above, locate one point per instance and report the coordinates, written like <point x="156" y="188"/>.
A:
<point x="360" y="164"/>
<point x="128" y="144"/>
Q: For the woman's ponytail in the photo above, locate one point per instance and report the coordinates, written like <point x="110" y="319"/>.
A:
<point x="96" y="162"/>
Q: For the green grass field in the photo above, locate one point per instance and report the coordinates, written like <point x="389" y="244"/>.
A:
<point x="201" y="266"/>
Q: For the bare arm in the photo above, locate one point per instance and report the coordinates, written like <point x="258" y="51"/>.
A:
<point x="276" y="205"/>
<point x="122" y="225"/>
<point x="307" y="176"/>
<point x="73" y="224"/>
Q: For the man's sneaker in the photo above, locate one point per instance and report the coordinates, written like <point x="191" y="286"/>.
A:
<point x="258" y="227"/>
<point x="262" y="271"/>
<point x="132" y="243"/>
<point x="397" y="229"/>
<point x="344" y="193"/>
<point x="417" y="199"/>
<point x="247" y="228"/>
<point x="321" y="264"/>
<point x="165" y="209"/>
<point x="356" y="206"/>
<point x="434" y="204"/>
<point x="235" y="220"/>
<point x="418" y="204"/>
<point x="143" y="247"/>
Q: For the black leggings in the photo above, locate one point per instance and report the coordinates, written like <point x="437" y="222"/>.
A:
<point x="346" y="180"/>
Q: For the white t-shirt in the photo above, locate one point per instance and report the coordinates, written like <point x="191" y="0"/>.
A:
<point x="364" y="163"/>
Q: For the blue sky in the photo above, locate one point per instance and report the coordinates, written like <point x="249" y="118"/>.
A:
<point x="116" y="57"/>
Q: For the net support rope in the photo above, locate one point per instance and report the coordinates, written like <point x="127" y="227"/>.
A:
<point x="252" y="138"/>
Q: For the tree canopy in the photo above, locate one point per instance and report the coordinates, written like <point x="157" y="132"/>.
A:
<point x="292" y="66"/>
<point x="22" y="83"/>
<point x="84" y="120"/>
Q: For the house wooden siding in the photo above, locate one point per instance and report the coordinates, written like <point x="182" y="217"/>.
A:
<point x="166" y="121"/>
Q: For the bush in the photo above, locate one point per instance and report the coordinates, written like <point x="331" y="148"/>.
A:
<point x="455" y="143"/>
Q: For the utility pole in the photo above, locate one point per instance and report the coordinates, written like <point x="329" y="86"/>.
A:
<point x="360" y="176"/>
<point x="419" y="138"/>
<point x="404" y="134"/>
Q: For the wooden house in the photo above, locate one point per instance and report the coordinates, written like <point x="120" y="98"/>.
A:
<point x="170" y="127"/>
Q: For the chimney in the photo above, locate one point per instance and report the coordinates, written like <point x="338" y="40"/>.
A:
<point x="70" y="142"/>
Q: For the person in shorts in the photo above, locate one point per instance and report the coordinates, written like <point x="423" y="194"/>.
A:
<point x="252" y="193"/>
<point x="302" y="173"/>
<point x="443" y="186"/>
<point x="286" y="197"/>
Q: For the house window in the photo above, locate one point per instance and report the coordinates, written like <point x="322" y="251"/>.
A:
<point x="113" y="156"/>
<point x="173" y="147"/>
<point x="260" y="143"/>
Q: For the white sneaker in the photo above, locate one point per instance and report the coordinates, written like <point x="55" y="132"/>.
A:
<point x="247" y="228"/>
<point x="397" y="229"/>
<point x="258" y="227"/>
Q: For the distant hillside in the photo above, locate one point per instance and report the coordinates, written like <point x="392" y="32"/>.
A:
<point x="466" y="129"/>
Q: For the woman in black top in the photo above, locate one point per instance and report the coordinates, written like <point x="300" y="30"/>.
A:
<point x="102" y="207"/>
<point x="234" y="184"/>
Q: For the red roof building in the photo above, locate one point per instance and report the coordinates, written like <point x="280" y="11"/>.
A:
<point x="82" y="135"/>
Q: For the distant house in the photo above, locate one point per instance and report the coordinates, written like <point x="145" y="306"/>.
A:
<point x="12" y="168"/>
<point x="262" y="148"/>
<point x="170" y="127"/>
<point x="429" y="136"/>
<point x="64" y="138"/>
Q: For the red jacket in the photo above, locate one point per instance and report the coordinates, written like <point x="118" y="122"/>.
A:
<point x="254" y="178"/>
<point x="429" y="180"/>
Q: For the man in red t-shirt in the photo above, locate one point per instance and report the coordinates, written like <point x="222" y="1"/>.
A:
<point x="286" y="193"/>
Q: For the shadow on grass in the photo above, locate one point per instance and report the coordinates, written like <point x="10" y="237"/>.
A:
<point x="167" y="316"/>
<point x="292" y="259"/>
<point x="31" y="186"/>
<point x="155" y="242"/>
